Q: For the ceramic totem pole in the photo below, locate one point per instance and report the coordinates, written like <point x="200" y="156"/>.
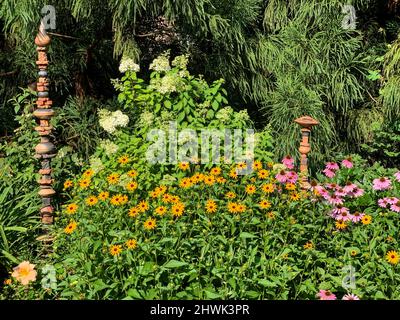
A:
<point x="45" y="150"/>
<point x="306" y="124"/>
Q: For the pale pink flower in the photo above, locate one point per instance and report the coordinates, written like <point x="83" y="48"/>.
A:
<point x="350" y="297"/>
<point x="347" y="163"/>
<point x="397" y="176"/>
<point x="381" y="183"/>
<point x="281" y="176"/>
<point x="395" y="207"/>
<point x="349" y="187"/>
<point x="321" y="190"/>
<point x="356" y="217"/>
<point x="333" y="199"/>
<point x="291" y="177"/>
<point x="288" y="161"/>
<point x="337" y="211"/>
<point x="344" y="216"/>
<point x="383" y="202"/>
<point x="329" y="173"/>
<point x="392" y="200"/>
<point x="326" y="295"/>
<point x="332" y="186"/>
<point x="332" y="166"/>
<point x="357" y="192"/>
<point x="25" y="272"/>
<point x="340" y="192"/>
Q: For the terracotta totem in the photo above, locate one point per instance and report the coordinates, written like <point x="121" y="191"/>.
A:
<point x="306" y="124"/>
<point x="45" y="150"/>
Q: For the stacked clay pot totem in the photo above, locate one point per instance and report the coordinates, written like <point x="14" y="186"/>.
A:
<point x="45" y="150"/>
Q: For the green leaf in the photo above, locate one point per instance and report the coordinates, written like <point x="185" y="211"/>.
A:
<point x="174" y="264"/>
<point x="246" y="235"/>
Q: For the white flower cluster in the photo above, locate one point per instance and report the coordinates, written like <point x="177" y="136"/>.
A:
<point x="181" y="61"/>
<point x="108" y="146"/>
<point x="109" y="121"/>
<point x="96" y="164"/>
<point x="146" y="118"/>
<point x="161" y="63"/>
<point x="225" y="114"/>
<point x="128" y="64"/>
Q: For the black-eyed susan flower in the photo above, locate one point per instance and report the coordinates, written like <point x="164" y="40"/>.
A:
<point x="166" y="198"/>
<point x="215" y="171"/>
<point x="143" y="206"/>
<point x="367" y="219"/>
<point x="131" y="244"/>
<point x="209" y="180"/>
<point x="161" y="210"/>
<point x="271" y="215"/>
<point x="263" y="174"/>
<point x="133" y="212"/>
<point x="184" y="166"/>
<point x="116" y="199"/>
<point x="268" y="188"/>
<point x="91" y="201"/>
<point x="174" y="199"/>
<point x="309" y="245"/>
<point x="233" y="174"/>
<point x="232" y="207"/>
<point x="294" y="196"/>
<point x="132" y="173"/>
<point x="241" y="208"/>
<point x="230" y="195"/>
<point x="84" y="183"/>
<point x="241" y="165"/>
<point x="392" y="257"/>
<point x="290" y="186"/>
<point x="113" y="178"/>
<point x="115" y="249"/>
<point x="221" y="180"/>
<point x="131" y="186"/>
<point x="257" y="165"/>
<point x="185" y="183"/>
<point x="71" y="208"/>
<point x="264" y="204"/>
<point x="68" y="184"/>
<point x="123" y="160"/>
<point x="70" y="227"/>
<point x="211" y="206"/>
<point x="88" y="173"/>
<point x="353" y="253"/>
<point x="103" y="195"/>
<point x="150" y="224"/>
<point x="340" y="224"/>
<point x="178" y="209"/>
<point x="250" y="189"/>
<point x="124" y="199"/>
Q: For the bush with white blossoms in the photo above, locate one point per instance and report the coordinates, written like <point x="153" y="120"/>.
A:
<point x="128" y="64"/>
<point x="161" y="63"/>
<point x="108" y="146"/>
<point x="109" y="121"/>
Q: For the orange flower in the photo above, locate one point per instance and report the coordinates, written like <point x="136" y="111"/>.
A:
<point x="143" y="206"/>
<point x="71" y="208"/>
<point x="185" y="183"/>
<point x="211" y="206"/>
<point x="131" y="186"/>
<point x="184" y="166"/>
<point x="166" y="198"/>
<point x="115" y="249"/>
<point x="268" y="188"/>
<point x="263" y="174"/>
<point x="116" y="199"/>
<point x="84" y="183"/>
<point x="215" y="171"/>
<point x="133" y="212"/>
<point x="209" y="180"/>
<point x="150" y="224"/>
<point x="161" y="210"/>
<point x="88" y="173"/>
<point x="91" y="201"/>
<point x="233" y="174"/>
<point x="113" y="178"/>
<point x="257" y="165"/>
<point x="132" y="173"/>
<point x="232" y="207"/>
<point x="177" y="209"/>
<point x="131" y="244"/>
<point x="174" y="199"/>
<point x="230" y="195"/>
<point x="290" y="186"/>
<point x="25" y="272"/>
<point x="68" y="184"/>
<point x="264" y="204"/>
<point x="103" y="195"/>
<point x="221" y="180"/>
<point x="123" y="160"/>
<point x="70" y="227"/>
<point x="250" y="189"/>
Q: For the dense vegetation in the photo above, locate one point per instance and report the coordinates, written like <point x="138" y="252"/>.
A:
<point x="120" y="68"/>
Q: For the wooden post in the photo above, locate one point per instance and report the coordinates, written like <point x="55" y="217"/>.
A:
<point x="45" y="150"/>
<point x="306" y="124"/>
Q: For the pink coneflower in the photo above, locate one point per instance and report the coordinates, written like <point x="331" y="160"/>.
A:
<point x="347" y="163"/>
<point x="340" y="192"/>
<point x="288" y="162"/>
<point x="332" y="166"/>
<point x="357" y="216"/>
<point x="381" y="183"/>
<point x="357" y="192"/>
<point x="332" y="186"/>
<point x="338" y="211"/>
<point x="281" y="176"/>
<point x="392" y="200"/>
<point x="291" y="177"/>
<point x="322" y="191"/>
<point x="383" y="202"/>
<point x="344" y="216"/>
<point x="333" y="199"/>
<point x="329" y="173"/>
<point x="350" y="297"/>
<point x="349" y="187"/>
<point x="326" y="295"/>
<point x="397" y="176"/>
<point x="395" y="207"/>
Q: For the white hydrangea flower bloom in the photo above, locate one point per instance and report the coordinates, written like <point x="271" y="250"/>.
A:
<point x="161" y="63"/>
<point x="108" y="146"/>
<point x="109" y="121"/>
<point x="128" y="64"/>
<point x="225" y="114"/>
<point x="147" y="118"/>
<point x="168" y="84"/>
<point x="96" y="164"/>
<point x="181" y="61"/>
